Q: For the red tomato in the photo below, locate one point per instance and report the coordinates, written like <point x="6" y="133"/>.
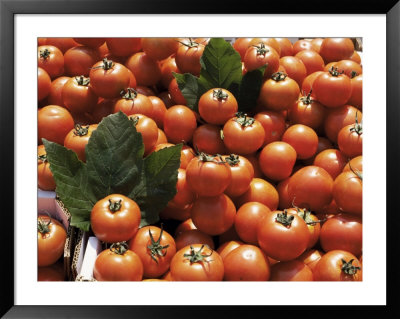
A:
<point x="146" y="70"/>
<point x="44" y="84"/>
<point x="161" y="139"/>
<point x="207" y="139"/>
<point x="310" y="187"/>
<point x="344" y="232"/>
<point x="159" y="110"/>
<point x="246" y="263"/>
<point x="91" y="42"/>
<point x="347" y="192"/>
<point x="176" y="213"/>
<point x="78" y="60"/>
<point x="332" y="88"/>
<point x="306" y="86"/>
<point x="78" y="96"/>
<point x="242" y="173"/>
<point x="217" y="106"/>
<point x="61" y="43"/>
<point x="118" y="264"/>
<point x="338" y="118"/>
<point x="188" y="56"/>
<point x="241" y="45"/>
<point x="159" y="48"/>
<point x="229" y="235"/>
<point x="336" y="49"/>
<point x="323" y="144"/>
<point x="132" y="102"/>
<point x="148" y="128"/>
<point x="51" y="60"/>
<point x="356" y="92"/>
<point x="350" y="139"/>
<point x="293" y="270"/>
<point x="303" y="139"/>
<point x="78" y="138"/>
<point x="284" y="200"/>
<point x="166" y="98"/>
<point x="115" y="218"/>
<point x="274" y="125"/>
<point x="355" y="164"/>
<point x="277" y="160"/>
<point x="193" y="236"/>
<point x="167" y="67"/>
<point x="179" y="124"/>
<point x="176" y="93"/>
<point x="272" y="42"/>
<point x="356" y="57"/>
<point x="103" y="108"/>
<point x="243" y="135"/>
<point x="253" y="159"/>
<point x="123" y="46"/>
<point x="332" y="160"/>
<point x="313" y="224"/>
<point x="295" y="68"/>
<point x="184" y="196"/>
<point x="307" y="111"/>
<point x="155" y="248"/>
<point x="311" y="60"/>
<point x="316" y="44"/>
<point x="301" y="45"/>
<point x="51" y="240"/>
<point x="260" y="191"/>
<point x="310" y="258"/>
<point x="184" y="226"/>
<point x="109" y="78"/>
<point x="349" y="67"/>
<point x="338" y="265"/>
<point x="55" y="95"/>
<point x="279" y="93"/>
<point x="224" y="249"/>
<point x="247" y="219"/>
<point x="45" y="176"/>
<point x="282" y="235"/>
<point x="259" y="55"/>
<point x="213" y="215"/>
<point x="286" y="46"/>
<point x="54" y="123"/>
<point x="197" y="262"/>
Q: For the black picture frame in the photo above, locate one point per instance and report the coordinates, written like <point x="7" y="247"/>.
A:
<point x="8" y="8"/>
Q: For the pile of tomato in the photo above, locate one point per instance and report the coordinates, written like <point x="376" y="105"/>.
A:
<point x="271" y="194"/>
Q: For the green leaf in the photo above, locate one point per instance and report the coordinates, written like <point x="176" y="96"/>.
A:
<point x="250" y="89"/>
<point x="114" y="156"/>
<point x="73" y="186"/>
<point x="158" y="185"/>
<point x="221" y="66"/>
<point x="188" y="84"/>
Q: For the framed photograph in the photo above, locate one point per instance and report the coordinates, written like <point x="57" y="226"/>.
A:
<point x="371" y="30"/>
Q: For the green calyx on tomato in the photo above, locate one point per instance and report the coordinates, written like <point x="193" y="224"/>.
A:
<point x="279" y="76"/>
<point x="306" y="99"/>
<point x="82" y="80"/>
<point x="129" y="94"/>
<point x="134" y="119"/>
<point x="243" y="119"/>
<point x="190" y="44"/>
<point x="42" y="158"/>
<point x="43" y="227"/>
<point x="44" y="53"/>
<point x="356" y="172"/>
<point x="353" y="74"/>
<point x="107" y="64"/>
<point x="119" y="248"/>
<point x="261" y="49"/>
<point x="305" y="215"/>
<point x="81" y="130"/>
<point x="284" y="219"/>
<point x="335" y="72"/>
<point x="156" y="249"/>
<point x="220" y="95"/>
<point x="357" y="126"/>
<point x="114" y="205"/>
<point x="348" y="268"/>
<point x="197" y="256"/>
<point x="232" y="159"/>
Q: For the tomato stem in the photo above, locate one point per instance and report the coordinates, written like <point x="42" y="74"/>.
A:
<point x="107" y="64"/>
<point x="306" y="99"/>
<point x="261" y="49"/>
<point x="44" y="53"/>
<point x="156" y="249"/>
<point x="134" y="119"/>
<point x="42" y="158"/>
<point x="232" y="159"/>
<point x="82" y="80"/>
<point x="219" y="94"/>
<point x="357" y="126"/>
<point x="119" y="248"/>
<point x="284" y="219"/>
<point x="278" y="76"/>
<point x="197" y="256"/>
<point x="356" y="172"/>
<point x="81" y="130"/>
<point x="191" y="44"/>
<point x="353" y="74"/>
<point x="129" y="94"/>
<point x="335" y="72"/>
<point x="243" y="119"/>
<point x="43" y="227"/>
<point x="348" y="268"/>
<point x="114" y="206"/>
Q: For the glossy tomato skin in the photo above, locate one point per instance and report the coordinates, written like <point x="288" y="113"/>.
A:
<point x="356" y="92"/>
<point x="134" y="103"/>
<point x="282" y="242"/>
<point x="55" y="94"/>
<point x="332" y="160"/>
<point x="51" y="240"/>
<point x="311" y="60"/>
<point x="273" y="123"/>
<point x="242" y="173"/>
<point x="185" y="225"/>
<point x="78" y="60"/>
<point x="313" y="224"/>
<point x="155" y="251"/>
<point x="306" y="86"/>
<point x="209" y="268"/>
<point x="193" y="236"/>
<point x="247" y="219"/>
<point x="109" y="80"/>
<point x="78" y="96"/>
<point x="111" y="266"/>
<point x="336" y="49"/>
<point x="295" y="68"/>
<point x="217" y="106"/>
<point x="123" y="47"/>
<point x="176" y="93"/>
<point x="51" y="59"/>
<point x="349" y="67"/>
<point x="78" y="138"/>
<point x="277" y="160"/>
<point x="332" y="90"/>
<point x="147" y="128"/>
<point x="213" y="215"/>
<point x="311" y="187"/>
<point x="63" y="44"/>
<point x="284" y="200"/>
<point x="243" y="139"/>
<point x="208" y="177"/>
<point x="260" y="191"/>
<point x="343" y="232"/>
<point x="329" y="267"/>
<point x="159" y="110"/>
<point x="241" y="45"/>
<point x="310" y="258"/>
<point x="146" y="70"/>
<point x="303" y="139"/>
<point x="259" y="55"/>
<point x="286" y="46"/>
<point x="301" y="45"/>
<point x="355" y="163"/>
<point x="44" y="84"/>
<point x="350" y="140"/>
<point x="207" y="139"/>
<point x="279" y="93"/>
<point x="338" y="118"/>
<point x="347" y="192"/>
<point x="179" y="124"/>
<point x="272" y="42"/>
<point x="45" y="176"/>
<point x="113" y="223"/>
<point x="184" y="195"/>
<point x="54" y="123"/>
<point x="188" y="56"/>
<point x="316" y="44"/>
<point x="225" y="248"/>
<point x="293" y="270"/>
<point x="167" y="67"/>
<point x="159" y="48"/>
<point x="246" y="263"/>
